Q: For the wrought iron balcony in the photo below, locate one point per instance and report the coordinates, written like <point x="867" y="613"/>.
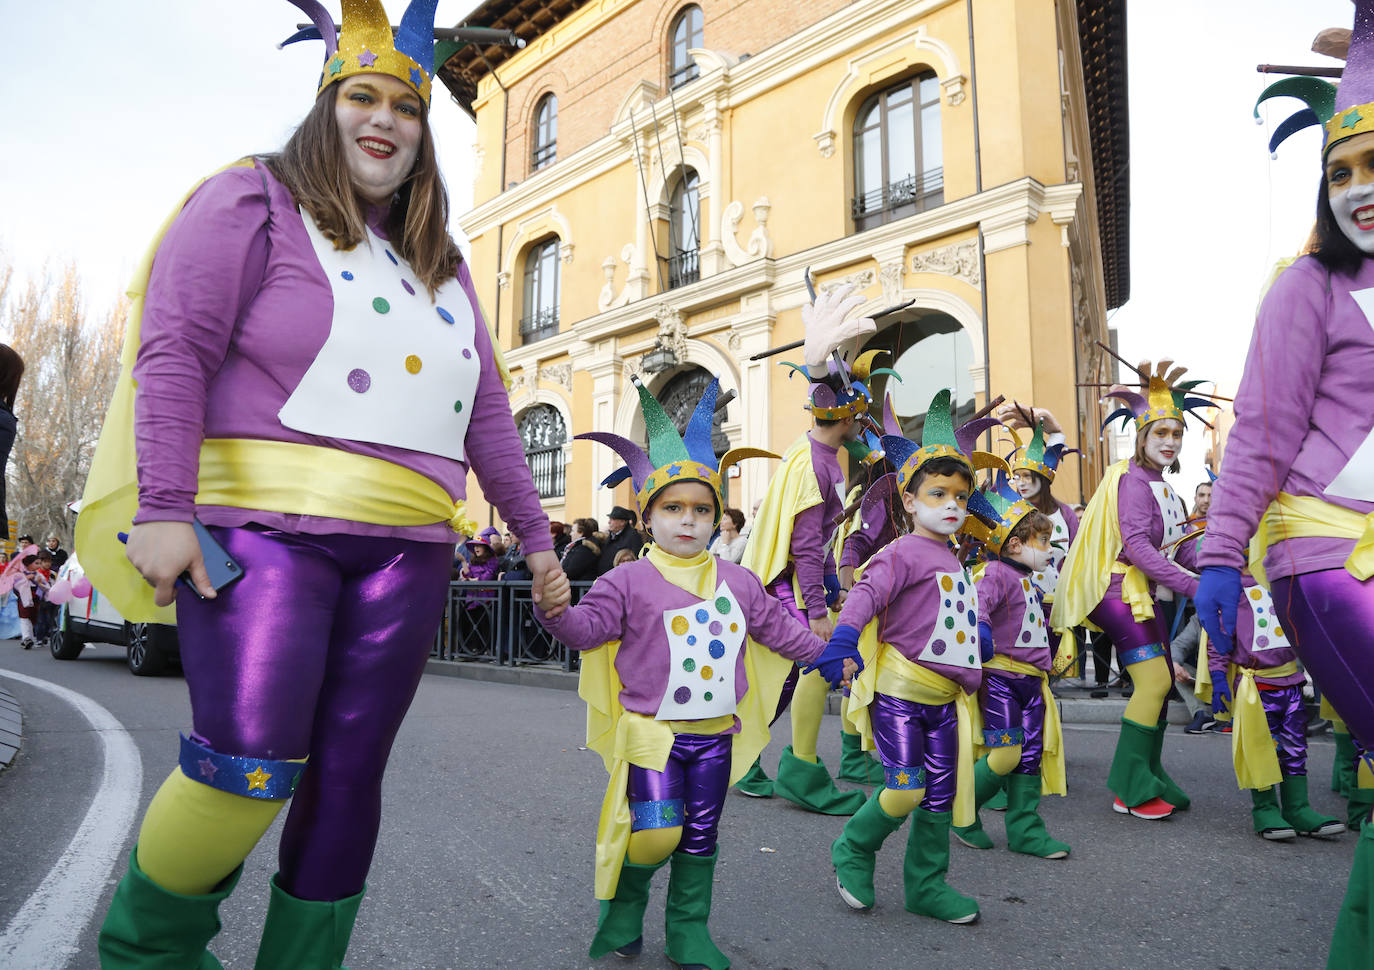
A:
<point x="896" y="200"/>
<point x="684" y="267"/>
<point x="539" y="325"/>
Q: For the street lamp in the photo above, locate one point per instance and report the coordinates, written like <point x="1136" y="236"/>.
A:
<point x="659" y="359"/>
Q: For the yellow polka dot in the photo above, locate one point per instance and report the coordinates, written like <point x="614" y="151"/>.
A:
<point x="946" y="583"/>
<point x="1025" y="584"/>
<point x="413" y="364"/>
<point x="734" y="627"/>
<point x="1278" y="631"/>
<point x="679" y="625"/>
<point x="706" y="673"/>
<point x="1255" y="594"/>
<point x="959" y="637"/>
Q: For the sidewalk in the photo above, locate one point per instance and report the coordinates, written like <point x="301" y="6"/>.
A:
<point x="11" y="728"/>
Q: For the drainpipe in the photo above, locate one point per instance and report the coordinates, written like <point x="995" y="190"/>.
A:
<point x="978" y="188"/>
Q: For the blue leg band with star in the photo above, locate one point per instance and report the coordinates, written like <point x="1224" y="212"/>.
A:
<point x="1135" y="655"/>
<point x="1003" y="737"/>
<point x="665" y="813"/>
<point x="239" y="775"/>
<point x="904" y="779"/>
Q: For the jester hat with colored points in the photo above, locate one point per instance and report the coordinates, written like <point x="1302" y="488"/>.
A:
<point x="1161" y="396"/>
<point x="365" y="44"/>
<point x="671" y="457"/>
<point x="1035" y="457"/>
<point x="828" y="404"/>
<point x="996" y="512"/>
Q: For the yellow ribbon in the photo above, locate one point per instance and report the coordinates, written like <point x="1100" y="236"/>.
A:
<point x="1054" y="778"/>
<point x="1253" y="752"/>
<point x="1307" y="517"/>
<point x="1135" y="591"/>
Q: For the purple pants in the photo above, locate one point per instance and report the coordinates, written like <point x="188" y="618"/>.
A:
<point x="782" y="591"/>
<point x="1329" y="616"/>
<point x="1283" y="708"/>
<point x="1119" y="623"/>
<point x="919" y="747"/>
<point x="316" y="651"/>
<point x="689" y="791"/>
<point x="1014" y="708"/>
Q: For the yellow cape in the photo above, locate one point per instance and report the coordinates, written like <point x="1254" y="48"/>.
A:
<point x="624" y="738"/>
<point x="1253" y="752"/>
<point x="110" y="499"/>
<point x="793" y="489"/>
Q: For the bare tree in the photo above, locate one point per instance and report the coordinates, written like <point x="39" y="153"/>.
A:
<point x="69" y="376"/>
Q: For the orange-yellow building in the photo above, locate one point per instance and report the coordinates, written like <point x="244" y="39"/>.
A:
<point x="654" y="177"/>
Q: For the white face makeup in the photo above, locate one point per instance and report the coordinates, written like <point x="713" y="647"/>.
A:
<point x="1026" y="483"/>
<point x="682" y="518"/>
<point x="939" y="505"/>
<point x="1350" y="189"/>
<point x="1035" y="554"/>
<point x="1163" y="442"/>
<point x="380" y="120"/>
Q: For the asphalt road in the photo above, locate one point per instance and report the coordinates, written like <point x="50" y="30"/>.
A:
<point x="485" y="858"/>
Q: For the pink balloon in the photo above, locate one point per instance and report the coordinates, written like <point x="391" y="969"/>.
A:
<point x="82" y="588"/>
<point x="61" y="592"/>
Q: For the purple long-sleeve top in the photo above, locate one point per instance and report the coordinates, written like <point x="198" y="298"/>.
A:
<point x="876" y="529"/>
<point x="812" y="528"/>
<point x="1142" y="533"/>
<point x="628" y="604"/>
<point x="1010" y="604"/>
<point x="237" y="309"/>
<point x="1260" y="640"/>
<point x="904" y="588"/>
<point x="1303" y="408"/>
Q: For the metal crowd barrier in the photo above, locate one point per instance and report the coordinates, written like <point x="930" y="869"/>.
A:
<point x="493" y="622"/>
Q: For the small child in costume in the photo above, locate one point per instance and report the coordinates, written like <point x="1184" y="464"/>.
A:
<point x="679" y="691"/>
<point x="914" y="615"/>
<point x="1021" y="728"/>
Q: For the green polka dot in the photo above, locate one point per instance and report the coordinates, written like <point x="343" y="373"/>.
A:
<point x="380" y="305"/>
<point x="457" y="407"/>
<point x="971" y="661"/>
<point x="707" y="695"/>
<point x="722" y="605"/>
<point x="1263" y="622"/>
<point x="949" y="623"/>
<point x="689" y="665"/>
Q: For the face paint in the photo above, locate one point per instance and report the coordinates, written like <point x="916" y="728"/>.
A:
<point x="939" y="505"/>
<point x="1350" y="189"/>
<point x="1163" y="442"/>
<point x="380" y="121"/>
<point x="1027" y="483"/>
<point x="682" y="518"/>
<point x="1034" y="554"/>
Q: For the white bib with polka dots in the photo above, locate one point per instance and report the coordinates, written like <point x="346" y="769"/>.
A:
<point x="1171" y="510"/>
<point x="954" y="641"/>
<point x="705" y="639"/>
<point x="396" y="369"/>
<point x="1032" y="634"/>
<point x="1268" y="633"/>
<point x="1048" y="580"/>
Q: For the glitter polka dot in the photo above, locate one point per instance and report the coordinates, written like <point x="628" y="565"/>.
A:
<point x="682" y="695"/>
<point x="1261" y="642"/>
<point x="391" y="257"/>
<point x="445" y="316"/>
<point x="715" y="628"/>
<point x="972" y="660"/>
<point x="405" y="285"/>
<point x="961" y="589"/>
<point x="346" y="275"/>
<point x="692" y="640"/>
<point x="707" y="695"/>
<point x="938" y="647"/>
<point x="734" y="627"/>
<point x="949" y="603"/>
<point x="717" y="649"/>
<point x="722" y="605"/>
<point x="457" y="407"/>
<point x="946" y="583"/>
<point x="359" y="380"/>
<point x="959" y="607"/>
<point x="679" y="625"/>
<point x="707" y="672"/>
<point x="467" y="354"/>
<point x="1263" y="623"/>
<point x="689" y="665"/>
<point x="702" y="616"/>
<point x="413" y="364"/>
<point x="1025" y="584"/>
<point x="1255" y="594"/>
<point x="1025" y="636"/>
<point x="381" y="305"/>
<point x="949" y="623"/>
<point x="959" y="637"/>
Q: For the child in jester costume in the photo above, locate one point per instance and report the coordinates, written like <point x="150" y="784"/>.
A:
<point x="1021" y="731"/>
<point x="679" y="689"/>
<point x="791" y="545"/>
<point x="914" y="616"/>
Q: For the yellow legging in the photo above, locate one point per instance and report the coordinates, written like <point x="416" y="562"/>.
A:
<point x="900" y="802"/>
<point x="651" y="846"/>
<point x="1151" y="681"/>
<point x="1003" y="760"/>
<point x="808" y="706"/>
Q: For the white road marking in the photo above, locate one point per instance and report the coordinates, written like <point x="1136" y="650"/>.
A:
<point x="44" y="934"/>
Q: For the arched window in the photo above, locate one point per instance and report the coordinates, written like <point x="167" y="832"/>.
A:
<point x="898" y="153"/>
<point x="684" y="34"/>
<point x="684" y="231"/>
<point x="540" y="318"/>
<point x="544" y="434"/>
<point x="929" y="350"/>
<point x="545" y="141"/>
<point x="680" y="397"/>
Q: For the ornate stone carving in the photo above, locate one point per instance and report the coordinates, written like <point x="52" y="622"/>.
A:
<point x="519" y="383"/>
<point x="672" y="332"/>
<point x="560" y="374"/>
<point x="608" y="299"/>
<point x="959" y="260"/>
<point x="760" y="244"/>
<point x="565" y="252"/>
<point x="825" y="141"/>
<point x="861" y="280"/>
<point x="954" y="89"/>
<point x="890" y="278"/>
<point x="735" y="342"/>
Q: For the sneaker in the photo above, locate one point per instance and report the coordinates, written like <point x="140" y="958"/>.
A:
<point x="1154" y="809"/>
<point x="1220" y="727"/>
<point x="1318" y="725"/>
<point x="630" y="950"/>
<point x="1201" y="721"/>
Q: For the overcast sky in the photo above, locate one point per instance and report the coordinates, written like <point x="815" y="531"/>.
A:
<point x="117" y="108"/>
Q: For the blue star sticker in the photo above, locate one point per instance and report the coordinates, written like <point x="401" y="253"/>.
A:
<point x="675" y="468"/>
<point x="417" y="76"/>
<point x="1351" y="120"/>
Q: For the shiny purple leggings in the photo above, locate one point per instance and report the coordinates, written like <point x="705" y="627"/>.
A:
<point x="912" y="738"/>
<point x="1287" y="716"/>
<point x="1329" y="616"/>
<point x="689" y="791"/>
<point x="316" y="651"/>
<point x="1015" y="704"/>
<point x="1119" y="623"/>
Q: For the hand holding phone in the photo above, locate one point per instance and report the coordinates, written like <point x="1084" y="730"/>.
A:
<point x="159" y="549"/>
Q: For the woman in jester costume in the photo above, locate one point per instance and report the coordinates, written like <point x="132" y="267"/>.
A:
<point x="679" y="692"/>
<point x="312" y="376"/>
<point x="1295" y="496"/>
<point x="1109" y="578"/>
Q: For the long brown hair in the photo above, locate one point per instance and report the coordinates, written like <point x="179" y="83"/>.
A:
<point x="311" y="166"/>
<point x="11" y="369"/>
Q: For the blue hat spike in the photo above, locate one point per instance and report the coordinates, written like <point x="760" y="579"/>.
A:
<point x="415" y="35"/>
<point x="616" y="477"/>
<point x="697" y="437"/>
<point x="1126" y="414"/>
<point x="1294" y="123"/>
<point x="898" y="449"/>
<point x="324" y="25"/>
<point x="979" y="505"/>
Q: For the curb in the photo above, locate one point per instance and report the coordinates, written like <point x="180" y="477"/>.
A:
<point x="11" y="728"/>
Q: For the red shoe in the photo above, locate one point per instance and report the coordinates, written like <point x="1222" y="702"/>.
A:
<point x="1154" y="809"/>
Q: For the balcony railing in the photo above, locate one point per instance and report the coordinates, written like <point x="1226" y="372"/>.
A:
<point x="543" y="155"/>
<point x="494" y="623"/>
<point x="897" y="200"/>
<point x="546" y="466"/>
<point x="539" y="325"/>
<point x="684" y="268"/>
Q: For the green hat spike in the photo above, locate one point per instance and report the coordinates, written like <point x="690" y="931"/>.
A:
<point x="665" y="444"/>
<point x="939" y="426"/>
<point x="1035" y="451"/>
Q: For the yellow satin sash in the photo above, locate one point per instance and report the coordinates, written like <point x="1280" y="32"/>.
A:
<point x="1053" y="768"/>
<point x="1253" y="752"/>
<point x="1307" y="517"/>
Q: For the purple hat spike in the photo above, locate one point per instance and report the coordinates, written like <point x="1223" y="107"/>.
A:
<point x="823" y="395"/>
<point x="890" y="423"/>
<point x="967" y="435"/>
<point x="323" y="22"/>
<point x="878" y="494"/>
<point x="1357" y="81"/>
<point x="639" y="464"/>
<point x="1136" y="402"/>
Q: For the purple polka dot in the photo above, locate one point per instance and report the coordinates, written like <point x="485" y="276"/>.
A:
<point x="1261" y="642"/>
<point x="467" y="354"/>
<point x="960" y="607"/>
<point x="359" y="379"/>
<point x="715" y="628"/>
<point x="444" y="314"/>
<point x="938" y="647"/>
<point x="717" y="649"/>
<point x="682" y="695"/>
<point x="1025" y="636"/>
<point x="405" y="285"/>
<point x="391" y="257"/>
<point x="346" y="275"/>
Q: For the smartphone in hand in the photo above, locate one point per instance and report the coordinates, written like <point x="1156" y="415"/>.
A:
<point x="219" y="565"/>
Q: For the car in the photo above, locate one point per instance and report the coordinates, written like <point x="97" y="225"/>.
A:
<point x="150" y="647"/>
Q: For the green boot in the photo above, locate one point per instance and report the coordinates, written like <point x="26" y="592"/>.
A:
<point x="1300" y="814"/>
<point x="855" y="852"/>
<point x="305" y="934"/>
<point x="1343" y="765"/>
<point x="1130" y="776"/>
<point x="621" y="923"/>
<point x="1269" y="821"/>
<point x="689" y="907"/>
<point x="986" y="784"/>
<point x="1358" y="807"/>
<point x="998" y="802"/>
<point x="755" y="783"/>
<point x="151" y="928"/>
<point x="1026" y="832"/>
<point x="924" y="868"/>
<point x="856" y="764"/>
<point x="810" y="786"/>
<point x="1352" y="945"/>
<point x="1174" y="795"/>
